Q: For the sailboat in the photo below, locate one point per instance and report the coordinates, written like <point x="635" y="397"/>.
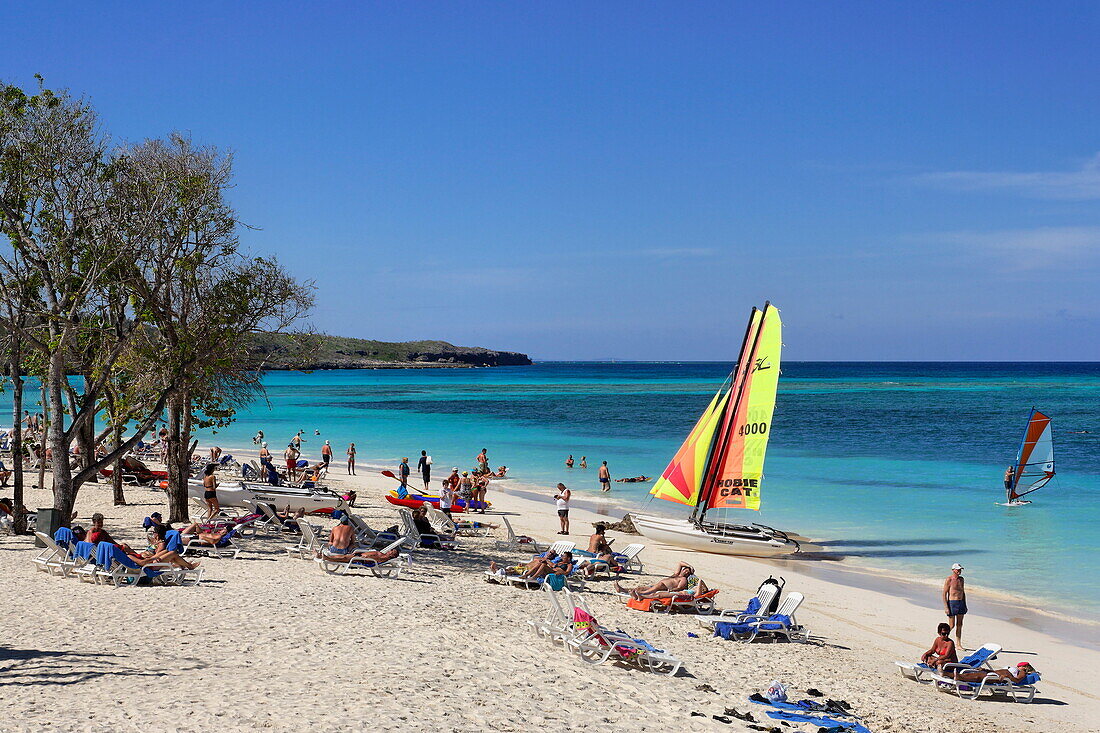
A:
<point x="1034" y="467"/>
<point x="720" y="465"/>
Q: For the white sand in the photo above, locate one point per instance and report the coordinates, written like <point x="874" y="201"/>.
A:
<point x="269" y="641"/>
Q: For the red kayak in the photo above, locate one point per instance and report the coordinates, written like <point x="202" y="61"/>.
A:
<point x="415" y="501"/>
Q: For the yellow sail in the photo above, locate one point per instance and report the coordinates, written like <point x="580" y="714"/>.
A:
<point x="741" y="467"/>
<point x="681" y="481"/>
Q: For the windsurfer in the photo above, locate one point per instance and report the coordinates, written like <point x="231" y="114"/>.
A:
<point x="1009" y="473"/>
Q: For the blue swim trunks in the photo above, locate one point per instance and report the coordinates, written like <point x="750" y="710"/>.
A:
<point x="956" y="608"/>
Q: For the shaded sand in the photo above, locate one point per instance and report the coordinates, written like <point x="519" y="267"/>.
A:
<point x="270" y="642"/>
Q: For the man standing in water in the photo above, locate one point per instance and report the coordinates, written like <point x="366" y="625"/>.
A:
<point x="1010" y="473"/>
<point x="954" y="601"/>
<point x="424" y="465"/>
<point x="605" y="478"/>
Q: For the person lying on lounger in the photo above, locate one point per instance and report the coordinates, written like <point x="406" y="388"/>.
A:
<point x="634" y="480"/>
<point x="1015" y="675"/>
<point x="158" y="550"/>
<point x="539" y="567"/>
<point x="341" y="546"/>
<point x="212" y="537"/>
<point x="942" y="650"/>
<point x="680" y="583"/>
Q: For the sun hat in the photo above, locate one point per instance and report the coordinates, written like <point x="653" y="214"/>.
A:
<point x="956" y="566"/>
<point x="265" y="444"/>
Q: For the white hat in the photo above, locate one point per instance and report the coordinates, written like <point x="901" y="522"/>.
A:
<point x="455" y="468"/>
<point x="326" y="442"/>
<point x="956" y="566"/>
<point x="265" y="444"/>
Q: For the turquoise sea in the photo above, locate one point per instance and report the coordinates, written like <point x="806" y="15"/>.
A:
<point x="897" y="465"/>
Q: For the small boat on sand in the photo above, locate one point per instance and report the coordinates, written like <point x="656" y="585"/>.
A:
<point x="314" y="500"/>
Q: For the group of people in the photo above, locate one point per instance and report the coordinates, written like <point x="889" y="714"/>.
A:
<point x="604" y="472"/>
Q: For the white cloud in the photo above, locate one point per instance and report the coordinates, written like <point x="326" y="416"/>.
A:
<point x="1070" y="251"/>
<point x="1077" y="185"/>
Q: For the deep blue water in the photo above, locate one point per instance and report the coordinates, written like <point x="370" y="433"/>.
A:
<point x="895" y="464"/>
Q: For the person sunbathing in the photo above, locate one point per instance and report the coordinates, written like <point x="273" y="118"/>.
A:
<point x="501" y="471"/>
<point x="683" y="582"/>
<point x="600" y="548"/>
<point x="942" y="650"/>
<point x="1015" y="675"/>
<point x="158" y="550"/>
<point x="539" y="567"/>
<point x="212" y="537"/>
<point x="341" y="546"/>
<point x="634" y="480"/>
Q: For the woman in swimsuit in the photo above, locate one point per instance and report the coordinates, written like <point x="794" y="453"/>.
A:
<point x="942" y="650"/>
<point x="158" y="551"/>
<point x="210" y="492"/>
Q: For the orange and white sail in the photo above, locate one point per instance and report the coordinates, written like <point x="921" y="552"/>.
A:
<point x="1035" y="461"/>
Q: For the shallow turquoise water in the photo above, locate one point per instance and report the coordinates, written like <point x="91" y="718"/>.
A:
<point x="898" y="465"/>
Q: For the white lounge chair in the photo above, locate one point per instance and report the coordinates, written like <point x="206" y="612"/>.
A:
<point x="780" y="624"/>
<point x="633" y="563"/>
<point x="516" y="541"/>
<point x="447" y="527"/>
<point x="764" y="597"/>
<point x="386" y="569"/>
<point x="226" y="546"/>
<point x="557" y="548"/>
<point x="52" y="556"/>
<point x="416" y="539"/>
<point x="596" y="644"/>
<point x="309" y="544"/>
<point x="1023" y="691"/>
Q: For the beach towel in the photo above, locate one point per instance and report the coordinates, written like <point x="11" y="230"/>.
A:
<point x="646" y="604"/>
<point x="555" y="581"/>
<point x="108" y="555"/>
<point x="821" y="720"/>
<point x="585" y="622"/>
<point x="84" y="551"/>
<point x="173" y="540"/>
<point x="63" y="537"/>
<point x="729" y="629"/>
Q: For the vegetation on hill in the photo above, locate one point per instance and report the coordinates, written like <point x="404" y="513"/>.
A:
<point x="321" y="351"/>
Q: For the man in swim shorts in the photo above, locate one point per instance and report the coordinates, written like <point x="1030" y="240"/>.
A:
<point x="954" y="601"/>
<point x="605" y="478"/>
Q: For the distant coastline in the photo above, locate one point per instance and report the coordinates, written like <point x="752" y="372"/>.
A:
<point x="282" y="352"/>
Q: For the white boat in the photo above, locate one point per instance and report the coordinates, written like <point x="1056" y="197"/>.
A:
<point x="719" y="468"/>
<point x="240" y="493"/>
<point x="1034" y="466"/>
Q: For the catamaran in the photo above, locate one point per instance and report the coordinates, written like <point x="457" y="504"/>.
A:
<point x="720" y="466"/>
<point x="1034" y="467"/>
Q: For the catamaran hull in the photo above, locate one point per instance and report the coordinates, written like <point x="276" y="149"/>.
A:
<point x="681" y="533"/>
<point x="238" y="494"/>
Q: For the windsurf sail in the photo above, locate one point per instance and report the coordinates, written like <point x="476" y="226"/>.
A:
<point x="737" y="465"/>
<point x="1035" y="462"/>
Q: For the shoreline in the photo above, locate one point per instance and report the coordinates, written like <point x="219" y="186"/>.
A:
<point x="1033" y="612"/>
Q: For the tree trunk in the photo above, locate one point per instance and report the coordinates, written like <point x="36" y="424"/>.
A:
<point x="19" y="516"/>
<point x="116" y="475"/>
<point x="64" y="491"/>
<point x="177" y="478"/>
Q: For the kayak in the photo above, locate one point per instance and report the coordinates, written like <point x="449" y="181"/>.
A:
<point x="415" y="501"/>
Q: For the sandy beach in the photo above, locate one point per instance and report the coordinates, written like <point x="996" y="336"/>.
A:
<point x="269" y="641"/>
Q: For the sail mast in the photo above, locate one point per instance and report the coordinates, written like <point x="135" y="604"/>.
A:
<point x="718" y="451"/>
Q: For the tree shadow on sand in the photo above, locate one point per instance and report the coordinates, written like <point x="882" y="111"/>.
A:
<point x="60" y="667"/>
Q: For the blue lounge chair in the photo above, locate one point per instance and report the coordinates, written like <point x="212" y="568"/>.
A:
<point x="978" y="659"/>
<point x="779" y="624"/>
<point x="82" y="563"/>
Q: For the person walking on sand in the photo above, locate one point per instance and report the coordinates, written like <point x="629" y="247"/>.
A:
<point x="562" y="499"/>
<point x="605" y="478"/>
<point x="954" y="601"/>
<point x="351" y="459"/>
<point x="326" y="453"/>
<point x="569" y="461"/>
<point x="424" y="465"/>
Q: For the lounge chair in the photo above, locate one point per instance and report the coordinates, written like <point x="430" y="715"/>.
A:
<point x="991" y="683"/>
<point x="224" y="546"/>
<point x="365" y="536"/>
<point x="558" y="548"/>
<point x="116" y="567"/>
<point x="308" y="545"/>
<point x="416" y="538"/>
<point x="55" y="552"/>
<point x="980" y="658"/>
<point x="81" y="558"/>
<point x="386" y="569"/>
<point x="596" y="645"/>
<point x="630" y="558"/>
<point x="782" y="623"/>
<point x="762" y="599"/>
<point x="516" y="541"/>
<point x="447" y="527"/>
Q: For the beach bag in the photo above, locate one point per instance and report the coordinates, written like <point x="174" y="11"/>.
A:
<point x="777" y="692"/>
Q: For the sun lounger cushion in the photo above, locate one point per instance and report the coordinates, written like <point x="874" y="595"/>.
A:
<point x="728" y="629"/>
<point x="646" y="604"/>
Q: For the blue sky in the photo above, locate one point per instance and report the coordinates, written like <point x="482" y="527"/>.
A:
<point x="594" y="180"/>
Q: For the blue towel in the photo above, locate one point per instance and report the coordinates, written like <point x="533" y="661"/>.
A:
<point x="978" y="658"/>
<point x="1031" y="679"/>
<point x="727" y="629"/>
<point x="174" y="542"/>
<point x="84" y="550"/>
<point x="820" y="720"/>
<point x="63" y="537"/>
<point x="108" y="554"/>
